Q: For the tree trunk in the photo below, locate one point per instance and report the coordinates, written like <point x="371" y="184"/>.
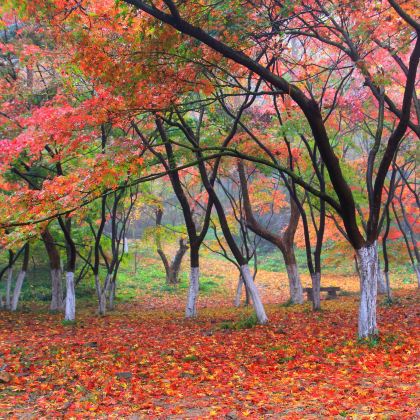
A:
<point x="101" y="292"/>
<point x="125" y="244"/>
<point x="253" y="291"/>
<point x="382" y="289"/>
<point x="417" y="270"/>
<point x="191" y="309"/>
<point x="172" y="276"/>
<point x="111" y="298"/>
<point x="316" y="291"/>
<point x="283" y="242"/>
<point x="102" y="304"/>
<point x="173" y="269"/>
<point x="239" y="291"/>
<point x="56" y="271"/>
<point x="169" y="277"/>
<point x="70" y="307"/>
<point x="247" y="296"/>
<point x="56" y="290"/>
<point x="295" y="285"/>
<point x="9" y="279"/>
<point x="20" y="278"/>
<point x="17" y="290"/>
<point x="368" y="266"/>
<point x="388" y="285"/>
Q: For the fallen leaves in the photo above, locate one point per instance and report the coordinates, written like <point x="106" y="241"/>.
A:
<point x="153" y="363"/>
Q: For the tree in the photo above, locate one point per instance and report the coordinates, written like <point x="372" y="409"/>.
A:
<point x="56" y="273"/>
<point x="171" y="268"/>
<point x="364" y="245"/>
<point x="195" y="235"/>
<point x="284" y="241"/>
<point x="20" y="278"/>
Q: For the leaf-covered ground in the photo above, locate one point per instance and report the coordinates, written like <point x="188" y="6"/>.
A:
<point x="145" y="360"/>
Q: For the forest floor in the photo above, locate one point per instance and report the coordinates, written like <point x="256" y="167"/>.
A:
<point x="143" y="360"/>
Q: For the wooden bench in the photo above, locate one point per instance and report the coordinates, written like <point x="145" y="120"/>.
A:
<point x="332" y="292"/>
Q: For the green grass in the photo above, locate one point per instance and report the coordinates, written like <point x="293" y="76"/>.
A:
<point x="245" y="322"/>
<point x="149" y="277"/>
<point x="333" y="260"/>
<point x="190" y="358"/>
<point x="68" y="323"/>
<point x="208" y="285"/>
<point x="370" y="342"/>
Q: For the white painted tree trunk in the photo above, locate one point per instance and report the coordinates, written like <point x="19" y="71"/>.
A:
<point x="368" y="266"/>
<point x="191" y="308"/>
<point x="9" y="279"/>
<point x="102" y="304"/>
<point x="253" y="291"/>
<point x="316" y="291"/>
<point x="239" y="292"/>
<point x="56" y="290"/>
<point x="125" y="241"/>
<point x="295" y="285"/>
<point x="17" y="290"/>
<point x="111" y="297"/>
<point x="101" y="292"/>
<point x="70" y="305"/>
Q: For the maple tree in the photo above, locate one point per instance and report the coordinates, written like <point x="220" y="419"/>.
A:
<point x="237" y="125"/>
<point x="345" y="39"/>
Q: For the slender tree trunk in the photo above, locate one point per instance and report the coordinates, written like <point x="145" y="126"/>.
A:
<point x="191" y="309"/>
<point x="9" y="279"/>
<point x="102" y="304"/>
<point x="253" y="291"/>
<point x="385" y="253"/>
<point x="112" y="287"/>
<point x="17" y="290"/>
<point x="417" y="271"/>
<point x="316" y="291"/>
<point x="21" y="277"/>
<point x="125" y="244"/>
<point x="70" y="304"/>
<point x="239" y="291"/>
<point x="388" y="285"/>
<point x="283" y="242"/>
<point x="368" y="266"/>
<point x="171" y="277"/>
<point x="102" y="292"/>
<point x="173" y="269"/>
<point x="56" y="290"/>
<point x="295" y="285"/>
<point x="356" y="265"/>
<point x="382" y="289"/>
<point x="56" y="273"/>
<point x="248" y="299"/>
<point x="70" y="300"/>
